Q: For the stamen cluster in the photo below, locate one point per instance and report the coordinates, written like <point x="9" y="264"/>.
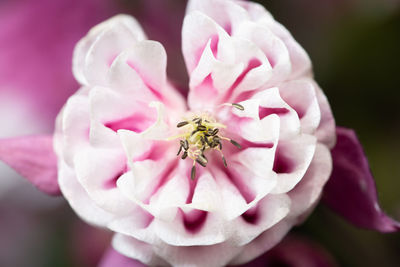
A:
<point x="202" y="133"/>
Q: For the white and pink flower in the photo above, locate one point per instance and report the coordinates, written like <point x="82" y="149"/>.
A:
<point x="253" y="139"/>
<point x="117" y="138"/>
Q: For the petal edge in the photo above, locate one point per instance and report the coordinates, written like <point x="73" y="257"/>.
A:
<point x="33" y="157"/>
<point x="351" y="190"/>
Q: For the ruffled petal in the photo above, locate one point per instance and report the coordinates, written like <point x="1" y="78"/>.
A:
<point x="220" y="67"/>
<point x="302" y="198"/>
<point x="250" y="20"/>
<point x="72" y="126"/>
<point x="95" y="53"/>
<point x="140" y="72"/>
<point x="136" y="249"/>
<point x="351" y="190"/>
<point x="326" y="132"/>
<point x="272" y="46"/>
<point x="227" y="14"/>
<point x="211" y="256"/>
<point x="98" y="170"/>
<point x="292" y="160"/>
<point x="271" y="102"/>
<point x="263" y="242"/>
<point x="300" y="61"/>
<point x="301" y="96"/>
<point x="307" y="192"/>
<point x="269" y="212"/>
<point x="34" y="158"/>
<point x="79" y="199"/>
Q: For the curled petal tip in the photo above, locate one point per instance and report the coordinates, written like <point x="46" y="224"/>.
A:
<point x="351" y="190"/>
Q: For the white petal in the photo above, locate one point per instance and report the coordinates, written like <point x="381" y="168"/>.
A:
<point x="270" y="210"/>
<point x="97" y="170"/>
<point x="226" y="13"/>
<point x="149" y="60"/>
<point x="263" y="242"/>
<point x="199" y="30"/>
<point x="301" y="96"/>
<point x="75" y="125"/>
<point x="206" y="194"/>
<point x="136" y="249"/>
<point x="138" y="224"/>
<point x="300" y="61"/>
<point x="179" y="232"/>
<point x="292" y="160"/>
<point x="326" y="131"/>
<point x="94" y="53"/>
<point x="272" y="46"/>
<point x="261" y="132"/>
<point x="193" y="256"/>
<point x="308" y="191"/>
<point x="272" y="103"/>
<point x="78" y="198"/>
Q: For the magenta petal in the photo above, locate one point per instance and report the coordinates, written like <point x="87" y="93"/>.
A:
<point x="295" y="252"/>
<point x="33" y="157"/>
<point x="114" y="259"/>
<point x="351" y="190"/>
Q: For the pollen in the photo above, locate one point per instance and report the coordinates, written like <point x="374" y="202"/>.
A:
<point x="202" y="133"/>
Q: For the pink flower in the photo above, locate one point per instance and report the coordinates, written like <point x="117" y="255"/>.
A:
<point x="253" y="140"/>
<point x="252" y="106"/>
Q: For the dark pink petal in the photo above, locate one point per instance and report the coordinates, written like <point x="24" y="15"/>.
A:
<point x="294" y="252"/>
<point x="351" y="190"/>
<point x="33" y="157"/>
<point x="114" y="259"/>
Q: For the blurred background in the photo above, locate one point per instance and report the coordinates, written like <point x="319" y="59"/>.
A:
<point x="355" y="49"/>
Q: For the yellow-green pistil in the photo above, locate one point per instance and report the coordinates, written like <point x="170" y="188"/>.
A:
<point x="201" y="134"/>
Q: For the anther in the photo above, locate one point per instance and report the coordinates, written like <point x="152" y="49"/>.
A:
<point x="186" y="144"/>
<point x="238" y="106"/>
<point x="224" y="161"/>
<point x="195" y="131"/>
<point x="202" y="160"/>
<point x="236" y="144"/>
<point x="203" y="140"/>
<point x="214" y="132"/>
<point x="207" y="141"/>
<point x="193" y="173"/>
<point x="201" y="128"/>
<point x="179" y="151"/>
<point x="216" y="141"/>
<point x="182" y="123"/>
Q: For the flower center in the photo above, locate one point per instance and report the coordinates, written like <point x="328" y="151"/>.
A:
<point x="202" y="133"/>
